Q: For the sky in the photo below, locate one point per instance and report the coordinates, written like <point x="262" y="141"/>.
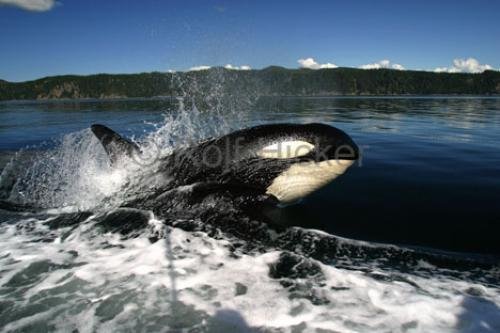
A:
<point x="45" y="37"/>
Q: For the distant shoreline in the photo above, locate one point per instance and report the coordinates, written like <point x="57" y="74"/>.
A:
<point x="268" y="82"/>
<point x="160" y="98"/>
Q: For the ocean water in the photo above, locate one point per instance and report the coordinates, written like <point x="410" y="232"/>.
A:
<point x="405" y="241"/>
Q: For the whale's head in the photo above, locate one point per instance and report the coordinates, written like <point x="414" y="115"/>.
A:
<point x="290" y="161"/>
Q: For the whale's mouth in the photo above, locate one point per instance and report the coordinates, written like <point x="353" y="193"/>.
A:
<point x="302" y="179"/>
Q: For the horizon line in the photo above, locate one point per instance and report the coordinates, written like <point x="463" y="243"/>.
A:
<point x="220" y="67"/>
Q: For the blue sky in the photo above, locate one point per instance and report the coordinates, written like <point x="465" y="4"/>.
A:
<point x="42" y="37"/>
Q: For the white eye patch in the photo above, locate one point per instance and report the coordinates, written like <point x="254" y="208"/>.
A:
<point x="286" y="149"/>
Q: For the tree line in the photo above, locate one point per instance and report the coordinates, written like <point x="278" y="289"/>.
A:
<point x="270" y="81"/>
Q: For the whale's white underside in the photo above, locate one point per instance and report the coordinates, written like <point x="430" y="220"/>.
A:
<point x="301" y="179"/>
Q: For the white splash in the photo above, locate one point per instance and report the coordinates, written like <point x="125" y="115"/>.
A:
<point x="190" y="280"/>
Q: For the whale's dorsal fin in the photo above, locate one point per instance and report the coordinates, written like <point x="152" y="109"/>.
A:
<point x="115" y="145"/>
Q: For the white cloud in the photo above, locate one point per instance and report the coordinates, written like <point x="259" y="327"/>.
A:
<point x="228" y="66"/>
<point x="32" y="5"/>
<point x="440" y="69"/>
<point x="383" y="64"/>
<point x="398" y="67"/>
<point x="312" y="64"/>
<point x="469" y="65"/>
<point x="239" y="68"/>
<point x="199" y="68"/>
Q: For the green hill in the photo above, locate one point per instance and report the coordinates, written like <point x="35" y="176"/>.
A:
<point x="268" y="81"/>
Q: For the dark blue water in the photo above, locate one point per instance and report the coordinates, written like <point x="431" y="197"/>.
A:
<point x="30" y="123"/>
<point x="429" y="175"/>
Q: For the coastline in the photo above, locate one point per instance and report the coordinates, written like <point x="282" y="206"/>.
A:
<point x="267" y="82"/>
<point x="164" y="98"/>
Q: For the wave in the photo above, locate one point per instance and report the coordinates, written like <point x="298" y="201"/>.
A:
<point x="127" y="270"/>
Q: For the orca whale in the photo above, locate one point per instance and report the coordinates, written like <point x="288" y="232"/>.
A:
<point x="284" y="162"/>
<point x="222" y="186"/>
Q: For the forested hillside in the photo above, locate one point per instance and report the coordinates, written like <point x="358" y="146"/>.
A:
<point x="268" y="81"/>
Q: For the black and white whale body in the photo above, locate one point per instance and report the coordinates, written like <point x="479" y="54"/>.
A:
<point x="285" y="162"/>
